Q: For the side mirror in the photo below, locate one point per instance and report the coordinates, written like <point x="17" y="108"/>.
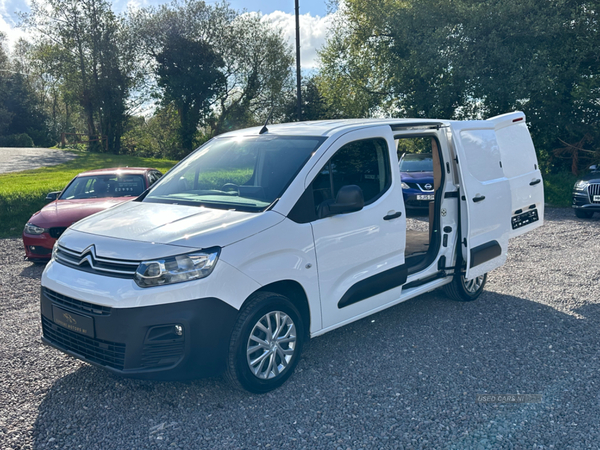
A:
<point x="349" y="199"/>
<point x="52" y="196"/>
<point x="594" y="168"/>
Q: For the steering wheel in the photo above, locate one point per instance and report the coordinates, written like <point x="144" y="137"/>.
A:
<point x="228" y="187"/>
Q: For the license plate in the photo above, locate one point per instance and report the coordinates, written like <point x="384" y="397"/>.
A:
<point x="425" y="197"/>
<point x="525" y="219"/>
<point x="74" y="322"/>
<point x="596" y="198"/>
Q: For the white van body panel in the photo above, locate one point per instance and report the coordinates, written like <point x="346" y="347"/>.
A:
<point x="356" y="246"/>
<point x="520" y="165"/>
<point x="486" y="206"/>
<point x="124" y="293"/>
<point x="186" y="226"/>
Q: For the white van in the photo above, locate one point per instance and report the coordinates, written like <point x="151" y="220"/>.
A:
<point x="263" y="238"/>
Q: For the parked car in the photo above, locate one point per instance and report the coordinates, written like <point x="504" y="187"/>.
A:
<point x="416" y="172"/>
<point x="266" y="237"/>
<point x="586" y="194"/>
<point x="86" y="194"/>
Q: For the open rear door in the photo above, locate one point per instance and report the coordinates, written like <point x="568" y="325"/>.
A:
<point x="520" y="166"/>
<point x="485" y="196"/>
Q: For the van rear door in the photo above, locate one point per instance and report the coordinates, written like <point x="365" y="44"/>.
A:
<point x="485" y="198"/>
<point x="520" y="166"/>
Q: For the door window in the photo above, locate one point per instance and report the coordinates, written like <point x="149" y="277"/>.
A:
<point x="483" y="154"/>
<point x="362" y="163"/>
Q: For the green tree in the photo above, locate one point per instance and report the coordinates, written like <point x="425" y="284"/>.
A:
<point x="86" y="45"/>
<point x="256" y="60"/>
<point x="469" y="59"/>
<point x="188" y="72"/>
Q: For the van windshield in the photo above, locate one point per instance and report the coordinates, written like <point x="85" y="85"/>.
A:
<point x="240" y="173"/>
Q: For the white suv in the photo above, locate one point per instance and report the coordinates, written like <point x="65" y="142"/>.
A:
<point x="263" y="238"/>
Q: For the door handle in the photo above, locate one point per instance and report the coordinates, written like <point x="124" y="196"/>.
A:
<point x="392" y="216"/>
<point x="478" y="199"/>
<point x="534" y="182"/>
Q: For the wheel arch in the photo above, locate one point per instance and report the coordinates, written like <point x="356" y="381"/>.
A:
<point x="297" y="295"/>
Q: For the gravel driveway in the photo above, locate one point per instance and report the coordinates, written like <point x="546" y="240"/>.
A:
<point x="17" y="159"/>
<point x="405" y="378"/>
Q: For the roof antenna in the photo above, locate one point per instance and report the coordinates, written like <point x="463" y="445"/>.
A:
<point x="264" y="129"/>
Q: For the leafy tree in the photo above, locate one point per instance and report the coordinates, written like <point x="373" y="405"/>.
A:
<point x="252" y="56"/>
<point x="86" y="45"/>
<point x="20" y="111"/>
<point x="188" y="72"/>
<point x="469" y="59"/>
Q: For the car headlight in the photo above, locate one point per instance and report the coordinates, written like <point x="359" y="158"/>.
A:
<point x="177" y="269"/>
<point x="581" y="185"/>
<point x="31" y="228"/>
<point x="405" y="186"/>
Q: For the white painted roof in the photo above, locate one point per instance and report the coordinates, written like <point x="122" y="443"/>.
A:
<point x="326" y="127"/>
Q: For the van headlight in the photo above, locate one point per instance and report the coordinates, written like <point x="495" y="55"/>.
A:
<point x="177" y="269"/>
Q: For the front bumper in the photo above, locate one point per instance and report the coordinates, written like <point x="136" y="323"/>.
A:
<point x="139" y="342"/>
<point x="38" y="247"/>
<point x="581" y="200"/>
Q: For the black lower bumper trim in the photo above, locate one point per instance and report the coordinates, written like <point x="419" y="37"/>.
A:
<point x="176" y="341"/>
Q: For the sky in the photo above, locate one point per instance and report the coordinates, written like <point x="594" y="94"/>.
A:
<point x="314" y="21"/>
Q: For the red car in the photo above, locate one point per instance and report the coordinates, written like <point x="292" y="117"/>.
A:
<point x="86" y="194"/>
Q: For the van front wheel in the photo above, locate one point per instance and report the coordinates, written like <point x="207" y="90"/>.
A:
<point x="464" y="290"/>
<point x="266" y="343"/>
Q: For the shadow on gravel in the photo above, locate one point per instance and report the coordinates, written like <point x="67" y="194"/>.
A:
<point x="33" y="271"/>
<point x="405" y="378"/>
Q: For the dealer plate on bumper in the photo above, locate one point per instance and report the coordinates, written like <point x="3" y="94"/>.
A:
<point x="74" y="322"/>
<point x="425" y="197"/>
<point x="524" y="219"/>
<point x="596" y="198"/>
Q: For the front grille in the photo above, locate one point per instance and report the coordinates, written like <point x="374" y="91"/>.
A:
<point x="78" y="305"/>
<point x="413" y="185"/>
<point x="57" y="231"/>
<point x="424" y="189"/>
<point x="593" y="189"/>
<point x="106" y="353"/>
<point x="87" y="261"/>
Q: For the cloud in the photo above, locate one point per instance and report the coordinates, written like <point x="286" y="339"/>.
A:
<point x="313" y="33"/>
<point x="8" y="21"/>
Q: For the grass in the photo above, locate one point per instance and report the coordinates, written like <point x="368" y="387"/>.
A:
<point x="558" y="188"/>
<point x="23" y="193"/>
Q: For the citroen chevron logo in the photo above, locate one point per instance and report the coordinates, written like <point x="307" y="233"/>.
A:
<point x="89" y="255"/>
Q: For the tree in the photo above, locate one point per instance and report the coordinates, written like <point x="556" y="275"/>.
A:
<point x="468" y="59"/>
<point x="20" y="110"/>
<point x="86" y="44"/>
<point x="256" y="60"/>
<point x="188" y="72"/>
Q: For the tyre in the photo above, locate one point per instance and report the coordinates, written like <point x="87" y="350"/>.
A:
<point x="583" y="214"/>
<point x="266" y="343"/>
<point x="463" y="290"/>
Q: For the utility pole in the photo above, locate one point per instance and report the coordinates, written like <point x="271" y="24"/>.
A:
<point x="298" y="76"/>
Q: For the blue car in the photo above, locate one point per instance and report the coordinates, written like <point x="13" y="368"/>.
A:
<point x="416" y="171"/>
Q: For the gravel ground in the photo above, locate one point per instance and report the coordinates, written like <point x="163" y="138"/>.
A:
<point x="404" y="378"/>
<point x="17" y="159"/>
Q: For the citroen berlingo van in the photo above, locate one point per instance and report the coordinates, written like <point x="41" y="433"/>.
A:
<point x="266" y="237"/>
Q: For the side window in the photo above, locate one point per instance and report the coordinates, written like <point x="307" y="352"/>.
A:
<point x="363" y="163"/>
